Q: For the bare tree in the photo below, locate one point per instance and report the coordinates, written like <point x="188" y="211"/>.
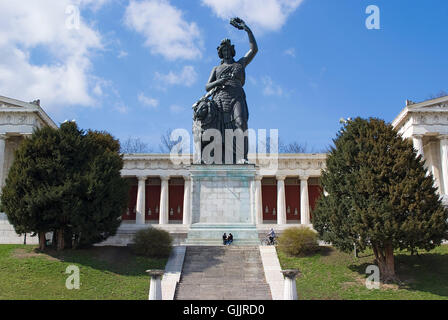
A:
<point x="326" y="149"/>
<point x="292" y="147"/>
<point x="166" y="144"/>
<point x="441" y="94"/>
<point x="135" y="145"/>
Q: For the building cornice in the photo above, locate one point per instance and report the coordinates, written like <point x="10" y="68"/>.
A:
<point x="421" y="107"/>
<point x="13" y="105"/>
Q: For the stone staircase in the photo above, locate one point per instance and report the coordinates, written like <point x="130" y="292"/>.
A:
<point x="222" y="273"/>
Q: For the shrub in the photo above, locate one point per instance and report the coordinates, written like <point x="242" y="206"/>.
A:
<point x="298" y="241"/>
<point x="152" y="242"/>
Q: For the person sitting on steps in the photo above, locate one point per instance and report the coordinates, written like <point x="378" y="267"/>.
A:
<point x="229" y="239"/>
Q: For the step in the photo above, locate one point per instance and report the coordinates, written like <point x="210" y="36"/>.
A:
<point x="223" y="272"/>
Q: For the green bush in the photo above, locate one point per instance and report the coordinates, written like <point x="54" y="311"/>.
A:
<point x="152" y="242"/>
<point x="298" y="241"/>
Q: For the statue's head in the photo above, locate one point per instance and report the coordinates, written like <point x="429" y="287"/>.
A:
<point x="226" y="49"/>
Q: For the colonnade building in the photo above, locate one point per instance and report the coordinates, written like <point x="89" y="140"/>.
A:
<point x="281" y="194"/>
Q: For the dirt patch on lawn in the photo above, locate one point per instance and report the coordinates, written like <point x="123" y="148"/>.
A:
<point x="24" y="254"/>
<point x="360" y="281"/>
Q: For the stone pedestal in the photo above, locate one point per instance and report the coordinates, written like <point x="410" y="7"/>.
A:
<point x="222" y="203"/>
<point x="290" y="289"/>
<point x="155" y="287"/>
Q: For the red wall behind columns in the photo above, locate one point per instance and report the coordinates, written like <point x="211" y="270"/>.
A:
<point x="176" y="202"/>
<point x="292" y="201"/>
<point x="131" y="204"/>
<point x="314" y="193"/>
<point x="269" y="196"/>
<point x="152" y="201"/>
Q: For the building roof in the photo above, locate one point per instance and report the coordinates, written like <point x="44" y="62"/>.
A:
<point x="432" y="105"/>
<point x="13" y="105"/>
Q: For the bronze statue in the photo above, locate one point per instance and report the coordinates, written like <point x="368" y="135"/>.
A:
<point x="227" y="108"/>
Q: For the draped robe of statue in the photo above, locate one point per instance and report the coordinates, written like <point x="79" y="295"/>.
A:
<point x="231" y="103"/>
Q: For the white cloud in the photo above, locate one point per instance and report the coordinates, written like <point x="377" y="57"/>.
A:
<point x="147" y="101"/>
<point x="121" y="108"/>
<point x="187" y="77"/>
<point x="271" y="88"/>
<point x="266" y="15"/>
<point x="253" y="81"/>
<point x="65" y="79"/>
<point x="122" y="54"/>
<point x="164" y="28"/>
<point x="176" y="109"/>
<point x="98" y="90"/>
<point x="290" y="52"/>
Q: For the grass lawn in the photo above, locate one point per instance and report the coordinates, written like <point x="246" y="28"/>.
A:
<point x="331" y="274"/>
<point x="105" y="273"/>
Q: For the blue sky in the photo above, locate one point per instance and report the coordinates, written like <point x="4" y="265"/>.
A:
<point x="317" y="61"/>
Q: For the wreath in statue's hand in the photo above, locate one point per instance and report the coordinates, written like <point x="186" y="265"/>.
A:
<point x="238" y="23"/>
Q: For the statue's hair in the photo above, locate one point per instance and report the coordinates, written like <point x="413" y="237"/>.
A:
<point x="226" y="42"/>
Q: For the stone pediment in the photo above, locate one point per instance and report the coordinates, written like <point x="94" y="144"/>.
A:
<point x="434" y="105"/>
<point x="434" y="108"/>
<point x="8" y="104"/>
<point x="432" y="112"/>
<point x="440" y="107"/>
<point x="19" y="113"/>
<point x="11" y="106"/>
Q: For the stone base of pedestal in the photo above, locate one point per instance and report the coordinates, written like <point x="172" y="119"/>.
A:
<point x="222" y="202"/>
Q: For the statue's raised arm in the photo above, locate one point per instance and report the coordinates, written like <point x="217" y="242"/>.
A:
<point x="240" y="24"/>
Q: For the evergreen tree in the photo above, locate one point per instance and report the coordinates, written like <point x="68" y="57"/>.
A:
<point x="378" y="195"/>
<point x="66" y="181"/>
<point x="105" y="196"/>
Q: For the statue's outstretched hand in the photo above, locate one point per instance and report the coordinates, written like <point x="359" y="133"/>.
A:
<point x="238" y="23"/>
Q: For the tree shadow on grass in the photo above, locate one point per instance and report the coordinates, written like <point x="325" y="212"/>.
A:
<point x="118" y="260"/>
<point x="325" y="251"/>
<point x="427" y="272"/>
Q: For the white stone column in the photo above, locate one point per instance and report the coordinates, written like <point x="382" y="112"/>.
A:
<point x="187" y="201"/>
<point x="140" y="206"/>
<point x="281" y="200"/>
<point x="253" y="214"/>
<point x="2" y="159"/>
<point x="155" y="286"/>
<point x="290" y="288"/>
<point x="258" y="201"/>
<point x="304" y="201"/>
<point x="417" y="140"/>
<point x="444" y="163"/>
<point x="164" y="200"/>
<point x="432" y="155"/>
